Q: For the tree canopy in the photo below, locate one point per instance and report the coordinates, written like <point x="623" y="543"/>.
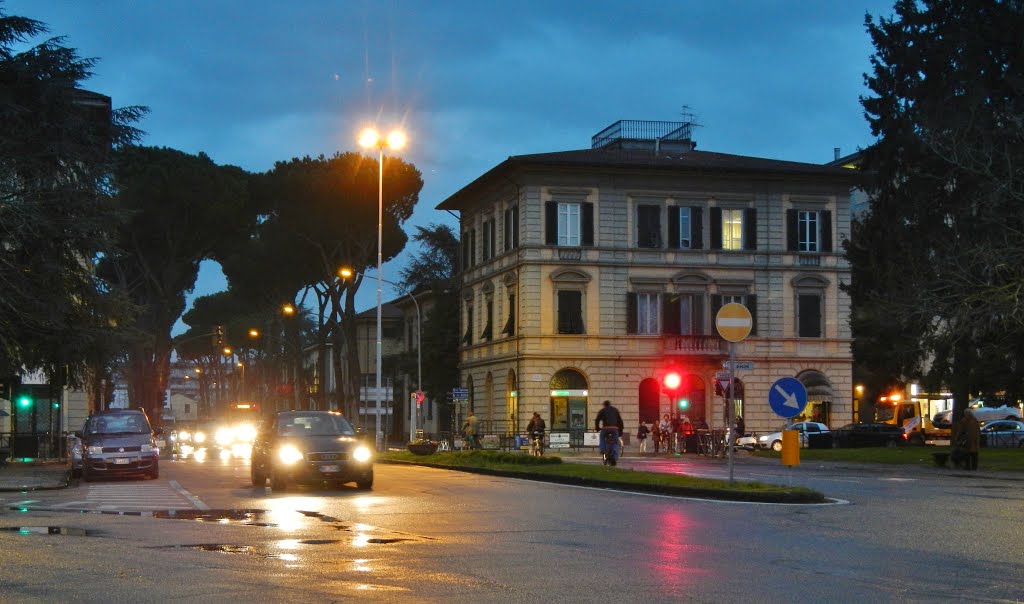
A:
<point x="939" y="258"/>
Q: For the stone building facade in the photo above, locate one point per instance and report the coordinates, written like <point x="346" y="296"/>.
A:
<point x="589" y="274"/>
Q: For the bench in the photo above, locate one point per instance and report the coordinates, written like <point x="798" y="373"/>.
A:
<point x="940" y="459"/>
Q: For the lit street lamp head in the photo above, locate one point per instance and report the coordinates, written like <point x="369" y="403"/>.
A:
<point x="254" y="333"/>
<point x="345" y="272"/>
<point x="370" y="139"/>
<point x="288" y="309"/>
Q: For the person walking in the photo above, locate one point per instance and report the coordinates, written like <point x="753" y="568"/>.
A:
<point x="470" y="431"/>
<point x="641" y="436"/>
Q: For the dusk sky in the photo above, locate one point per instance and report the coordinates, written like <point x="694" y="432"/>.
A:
<point x="473" y="82"/>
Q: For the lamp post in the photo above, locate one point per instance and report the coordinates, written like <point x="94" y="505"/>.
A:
<point x="346" y="273"/>
<point x="370" y="138"/>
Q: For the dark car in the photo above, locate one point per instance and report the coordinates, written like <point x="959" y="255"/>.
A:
<point x="118" y="442"/>
<point x="310" y="447"/>
<point x="868" y="435"/>
<point x="1003" y="433"/>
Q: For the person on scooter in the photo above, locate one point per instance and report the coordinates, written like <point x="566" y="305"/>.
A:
<point x="535" y="430"/>
<point x="609" y="421"/>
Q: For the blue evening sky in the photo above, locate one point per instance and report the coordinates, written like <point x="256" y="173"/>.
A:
<point x="472" y="82"/>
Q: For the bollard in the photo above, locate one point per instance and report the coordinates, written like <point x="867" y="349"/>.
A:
<point x="790" y="448"/>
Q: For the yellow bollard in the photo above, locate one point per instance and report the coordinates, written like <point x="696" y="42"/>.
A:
<point x="790" y="448"/>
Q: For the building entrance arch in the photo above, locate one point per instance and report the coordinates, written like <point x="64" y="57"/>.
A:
<point x="569" y="395"/>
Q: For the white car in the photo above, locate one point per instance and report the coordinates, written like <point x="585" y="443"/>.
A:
<point x="984" y="411"/>
<point x="773" y="441"/>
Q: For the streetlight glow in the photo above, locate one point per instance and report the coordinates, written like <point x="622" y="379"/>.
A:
<point x="288" y="309"/>
<point x="396" y="140"/>
<point x="345" y="272"/>
<point x="369" y="138"/>
<point x="254" y="333"/>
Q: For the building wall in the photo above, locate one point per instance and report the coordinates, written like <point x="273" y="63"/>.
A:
<point x="615" y="363"/>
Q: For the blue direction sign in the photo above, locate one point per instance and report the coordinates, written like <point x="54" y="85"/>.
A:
<point x="787" y="397"/>
<point x="460" y="394"/>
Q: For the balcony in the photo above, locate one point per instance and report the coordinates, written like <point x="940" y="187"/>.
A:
<point x="694" y="345"/>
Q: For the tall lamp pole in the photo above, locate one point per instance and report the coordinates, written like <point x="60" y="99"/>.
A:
<point x="370" y="138"/>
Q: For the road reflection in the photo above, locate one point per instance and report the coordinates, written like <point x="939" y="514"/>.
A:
<point x="674" y="565"/>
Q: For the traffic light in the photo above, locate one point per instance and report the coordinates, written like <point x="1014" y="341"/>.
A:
<point x="25" y="401"/>
<point x="684" y="404"/>
<point x="671" y="382"/>
<point x="218" y="335"/>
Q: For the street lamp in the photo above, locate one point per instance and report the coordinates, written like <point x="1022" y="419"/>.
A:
<point x="370" y="138"/>
<point x="347" y="273"/>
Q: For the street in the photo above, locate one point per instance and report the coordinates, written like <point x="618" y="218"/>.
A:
<point x="202" y="533"/>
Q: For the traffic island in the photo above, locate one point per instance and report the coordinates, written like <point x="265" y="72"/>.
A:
<point x="551" y="469"/>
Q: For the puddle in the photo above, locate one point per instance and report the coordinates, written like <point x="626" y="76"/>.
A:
<point x="394" y="540"/>
<point x="46" y="530"/>
<point x="246" y="517"/>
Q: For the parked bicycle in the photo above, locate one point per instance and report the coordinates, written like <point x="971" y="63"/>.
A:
<point x="537" y="444"/>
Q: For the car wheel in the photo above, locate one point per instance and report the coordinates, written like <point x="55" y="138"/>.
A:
<point x="155" y="472"/>
<point x="917" y="440"/>
<point x="366" y="483"/>
<point x="777" y="446"/>
<point x="891" y="443"/>
<point x="86" y="474"/>
<point x="258" y="477"/>
<point x="277" y="481"/>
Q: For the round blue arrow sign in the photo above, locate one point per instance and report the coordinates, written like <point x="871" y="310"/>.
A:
<point x="788" y="397"/>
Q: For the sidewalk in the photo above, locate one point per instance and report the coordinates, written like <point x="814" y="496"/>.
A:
<point x="34" y="476"/>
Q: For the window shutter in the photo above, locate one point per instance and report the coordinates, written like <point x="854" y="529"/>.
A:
<point x="465" y="250"/>
<point x="472" y="247"/>
<point x="751" y="304"/>
<point x="716" y="305"/>
<point x="587" y="225"/>
<point x="515" y="226"/>
<point x="670" y="315"/>
<point x="510" y="325"/>
<point x="697" y="226"/>
<point x="826" y="230"/>
<point x="810" y="316"/>
<point x="570" y="312"/>
<point x="673" y="227"/>
<point x="750" y="229"/>
<point x="716" y="229"/>
<point x="631" y="322"/>
<point x="507" y="230"/>
<point x="551" y="223"/>
<point x="792" y="230"/>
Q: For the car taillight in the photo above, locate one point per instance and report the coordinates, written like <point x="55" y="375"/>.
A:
<point x="904" y="436"/>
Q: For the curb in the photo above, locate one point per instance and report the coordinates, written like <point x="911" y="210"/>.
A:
<point x="751" y="497"/>
<point x="44" y="487"/>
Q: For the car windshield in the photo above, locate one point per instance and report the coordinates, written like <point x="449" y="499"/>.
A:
<point x="118" y="424"/>
<point x="314" y="424"/>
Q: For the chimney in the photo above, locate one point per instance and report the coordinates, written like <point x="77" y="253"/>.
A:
<point x="835" y="152"/>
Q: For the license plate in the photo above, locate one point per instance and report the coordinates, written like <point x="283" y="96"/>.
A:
<point x="122" y="460"/>
<point x="330" y="468"/>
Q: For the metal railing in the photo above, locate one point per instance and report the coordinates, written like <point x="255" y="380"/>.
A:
<point x="694" y="344"/>
<point x="39" y="445"/>
<point x="647" y="130"/>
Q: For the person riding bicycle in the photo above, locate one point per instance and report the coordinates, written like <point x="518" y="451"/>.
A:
<point x="609" y="422"/>
<point x="535" y="429"/>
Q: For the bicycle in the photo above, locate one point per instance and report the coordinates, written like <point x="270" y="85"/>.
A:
<point x="610" y="456"/>
<point x="537" y="444"/>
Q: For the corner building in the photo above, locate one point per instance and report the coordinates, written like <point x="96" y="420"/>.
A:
<point x="587" y="274"/>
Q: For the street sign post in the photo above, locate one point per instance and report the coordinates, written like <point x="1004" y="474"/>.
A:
<point x="787" y="397"/>
<point x="460" y="394"/>
<point x="738" y="365"/>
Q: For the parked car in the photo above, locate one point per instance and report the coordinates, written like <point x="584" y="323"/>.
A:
<point x="812" y="434"/>
<point x="1003" y="433"/>
<point x="985" y="409"/>
<point x="868" y="435"/>
<point x="311" y="447"/>
<point x="118" y="442"/>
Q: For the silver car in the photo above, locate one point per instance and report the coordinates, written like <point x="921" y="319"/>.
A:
<point x="809" y="432"/>
<point x="1003" y="433"/>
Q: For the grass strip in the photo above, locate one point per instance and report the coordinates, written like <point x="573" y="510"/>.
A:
<point x="551" y="469"/>
<point x="995" y="459"/>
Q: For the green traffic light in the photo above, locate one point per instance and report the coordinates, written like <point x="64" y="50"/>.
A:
<point x="25" y="401"/>
<point x="684" y="403"/>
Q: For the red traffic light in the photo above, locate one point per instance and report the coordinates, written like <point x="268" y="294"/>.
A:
<point x="672" y="380"/>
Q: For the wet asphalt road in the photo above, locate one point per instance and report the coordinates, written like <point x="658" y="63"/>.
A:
<point x="428" y="535"/>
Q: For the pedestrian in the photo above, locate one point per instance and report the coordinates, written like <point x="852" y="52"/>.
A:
<point x="966" y="439"/>
<point x="470" y="431"/>
<point x="741" y="428"/>
<point x="656" y="437"/>
<point x="665" y="430"/>
<point x="641" y="436"/>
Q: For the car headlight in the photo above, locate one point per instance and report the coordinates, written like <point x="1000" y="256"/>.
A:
<point x="361" y="454"/>
<point x="289" y="455"/>
<point x="224" y="437"/>
<point x="762" y="439"/>
<point x="147" y="448"/>
<point x="95" y="450"/>
<point x="245" y="433"/>
<point x="184" y="435"/>
<point x="199" y="437"/>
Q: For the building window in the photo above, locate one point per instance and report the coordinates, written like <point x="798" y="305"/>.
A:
<point x="809" y="231"/>
<point x="570" y="311"/>
<point x="511" y="228"/>
<point x="469" y="249"/>
<point x="467" y="338"/>
<point x="644" y="311"/>
<point x="510" y="324"/>
<point x="683" y="314"/>
<point x="733" y="229"/>
<point x="188" y="408"/>
<point x="808" y="317"/>
<point x="488" y="333"/>
<point x="569" y="224"/>
<point x="490" y="244"/>
<point x="648" y="226"/>
<point x="684" y="228"/>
